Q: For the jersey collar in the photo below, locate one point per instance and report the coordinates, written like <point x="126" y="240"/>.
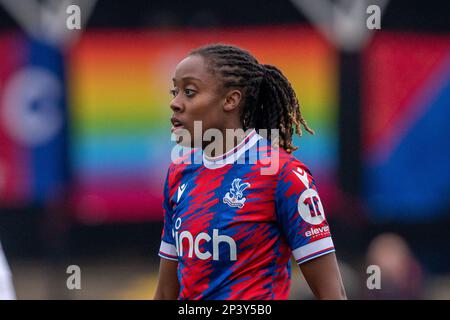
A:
<point x="232" y="155"/>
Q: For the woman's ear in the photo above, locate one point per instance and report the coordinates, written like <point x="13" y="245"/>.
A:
<point x="232" y="100"/>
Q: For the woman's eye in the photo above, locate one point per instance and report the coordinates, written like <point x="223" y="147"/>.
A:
<point x="173" y="92"/>
<point x="189" y="92"/>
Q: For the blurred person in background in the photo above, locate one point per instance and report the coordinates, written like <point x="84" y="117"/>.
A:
<point x="6" y="286"/>
<point x="401" y="273"/>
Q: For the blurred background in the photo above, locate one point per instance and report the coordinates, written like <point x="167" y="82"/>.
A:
<point x="85" y="134"/>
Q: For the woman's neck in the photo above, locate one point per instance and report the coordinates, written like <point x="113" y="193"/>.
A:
<point x="223" y="141"/>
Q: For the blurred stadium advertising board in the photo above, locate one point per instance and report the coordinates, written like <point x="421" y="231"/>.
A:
<point x="406" y="121"/>
<point x="32" y="122"/>
<point x="116" y="83"/>
<point x="119" y="85"/>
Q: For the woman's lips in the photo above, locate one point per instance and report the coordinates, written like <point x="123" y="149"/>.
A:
<point x="175" y="128"/>
<point x="176" y="124"/>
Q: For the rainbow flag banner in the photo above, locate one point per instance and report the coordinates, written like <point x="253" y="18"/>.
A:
<point x="118" y="87"/>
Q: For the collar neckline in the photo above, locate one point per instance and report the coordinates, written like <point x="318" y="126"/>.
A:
<point x="232" y="155"/>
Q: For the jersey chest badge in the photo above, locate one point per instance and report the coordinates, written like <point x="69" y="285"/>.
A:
<point x="235" y="197"/>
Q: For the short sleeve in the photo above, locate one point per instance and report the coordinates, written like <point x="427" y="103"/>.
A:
<point x="167" y="249"/>
<point x="300" y="213"/>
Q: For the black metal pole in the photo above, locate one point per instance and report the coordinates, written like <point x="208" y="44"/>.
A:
<point x="350" y="124"/>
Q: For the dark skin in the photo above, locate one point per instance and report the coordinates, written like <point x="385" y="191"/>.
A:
<point x="200" y="96"/>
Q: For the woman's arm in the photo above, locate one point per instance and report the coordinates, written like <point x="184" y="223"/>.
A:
<point x="324" y="278"/>
<point x="168" y="286"/>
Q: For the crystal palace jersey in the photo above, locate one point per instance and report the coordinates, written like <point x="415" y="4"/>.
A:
<point x="232" y="227"/>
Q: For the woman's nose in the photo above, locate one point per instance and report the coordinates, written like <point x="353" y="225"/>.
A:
<point x="175" y="105"/>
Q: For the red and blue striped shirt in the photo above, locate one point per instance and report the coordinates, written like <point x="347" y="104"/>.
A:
<point x="232" y="227"/>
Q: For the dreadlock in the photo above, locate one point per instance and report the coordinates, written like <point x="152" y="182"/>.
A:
<point x="269" y="99"/>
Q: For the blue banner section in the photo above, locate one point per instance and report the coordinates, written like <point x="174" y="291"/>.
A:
<point x="414" y="183"/>
<point x="47" y="105"/>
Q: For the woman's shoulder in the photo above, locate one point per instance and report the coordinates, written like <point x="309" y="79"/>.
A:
<point x="181" y="162"/>
<point x="185" y="156"/>
<point x="288" y="161"/>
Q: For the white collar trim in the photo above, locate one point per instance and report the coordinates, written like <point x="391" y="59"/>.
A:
<point x="232" y="155"/>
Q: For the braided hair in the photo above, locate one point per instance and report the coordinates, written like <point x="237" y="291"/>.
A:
<point x="269" y="99"/>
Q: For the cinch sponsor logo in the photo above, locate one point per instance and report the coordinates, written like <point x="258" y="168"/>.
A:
<point x="314" y="231"/>
<point x="194" y="243"/>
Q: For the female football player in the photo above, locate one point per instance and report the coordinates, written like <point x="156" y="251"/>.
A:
<point x="229" y="228"/>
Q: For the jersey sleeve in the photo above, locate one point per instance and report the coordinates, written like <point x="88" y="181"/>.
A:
<point x="167" y="250"/>
<point x="300" y="213"/>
